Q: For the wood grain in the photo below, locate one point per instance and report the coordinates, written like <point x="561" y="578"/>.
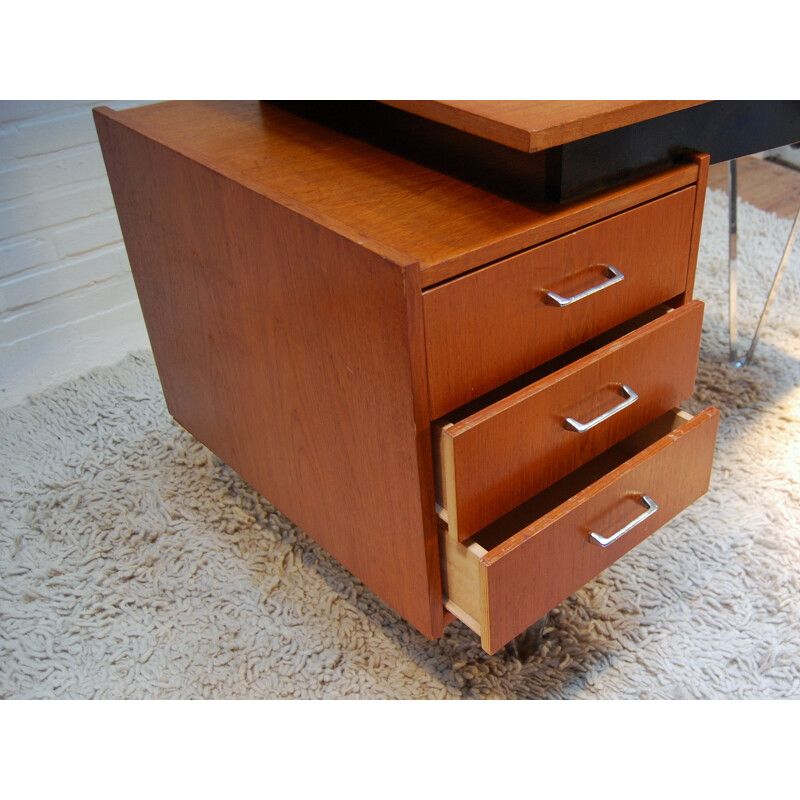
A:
<point x="294" y="354"/>
<point x="513" y="449"/>
<point x="534" y="125"/>
<point x="461" y="579"/>
<point x="489" y="326"/>
<point x="702" y="160"/>
<point x="407" y="210"/>
<point x="533" y="570"/>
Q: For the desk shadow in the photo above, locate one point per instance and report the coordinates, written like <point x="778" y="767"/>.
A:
<point x="582" y="639"/>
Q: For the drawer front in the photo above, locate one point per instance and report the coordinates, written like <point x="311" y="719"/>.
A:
<point x="500" y="587"/>
<point x="493" y="460"/>
<point x="489" y="326"/>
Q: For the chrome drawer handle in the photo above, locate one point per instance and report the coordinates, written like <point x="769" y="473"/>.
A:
<point x="630" y="398"/>
<point x="614" y="276"/>
<point x="605" y="541"/>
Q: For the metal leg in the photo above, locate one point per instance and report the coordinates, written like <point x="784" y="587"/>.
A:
<point x="527" y="644"/>
<point x="733" y="329"/>
<point x="787" y="251"/>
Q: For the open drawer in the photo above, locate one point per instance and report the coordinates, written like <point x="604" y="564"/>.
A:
<point x="494" y="453"/>
<point x="515" y="570"/>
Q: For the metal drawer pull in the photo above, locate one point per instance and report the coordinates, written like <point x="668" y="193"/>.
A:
<point x="614" y="276"/>
<point x="630" y="398"/>
<point x="605" y="541"/>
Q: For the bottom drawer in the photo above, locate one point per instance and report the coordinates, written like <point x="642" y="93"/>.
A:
<point x="514" y="571"/>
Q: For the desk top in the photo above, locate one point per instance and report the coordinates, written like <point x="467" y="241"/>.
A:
<point x="373" y="195"/>
<point x="534" y="125"/>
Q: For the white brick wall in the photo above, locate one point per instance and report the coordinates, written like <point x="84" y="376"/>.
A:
<point x="67" y="300"/>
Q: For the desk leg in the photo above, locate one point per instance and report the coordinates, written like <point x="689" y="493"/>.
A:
<point x="733" y="273"/>
<point x="787" y="251"/>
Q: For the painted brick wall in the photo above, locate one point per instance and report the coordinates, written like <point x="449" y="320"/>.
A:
<point x="67" y="299"/>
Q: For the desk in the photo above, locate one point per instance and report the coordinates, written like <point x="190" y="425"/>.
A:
<point x="463" y="389"/>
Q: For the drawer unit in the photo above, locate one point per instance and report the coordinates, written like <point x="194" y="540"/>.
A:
<point x="360" y="332"/>
<point x="491" y="456"/>
<point x="514" y="571"/>
<point x="493" y="324"/>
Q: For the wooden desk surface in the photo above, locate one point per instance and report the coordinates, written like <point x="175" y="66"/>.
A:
<point x="534" y="125"/>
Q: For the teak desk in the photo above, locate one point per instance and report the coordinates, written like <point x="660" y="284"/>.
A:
<point x="462" y="388"/>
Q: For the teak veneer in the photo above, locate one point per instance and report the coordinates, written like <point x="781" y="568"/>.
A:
<point x="513" y="329"/>
<point x="322" y="302"/>
<point x="534" y="125"/>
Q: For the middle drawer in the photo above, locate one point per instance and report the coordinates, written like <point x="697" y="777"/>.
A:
<point x="493" y="454"/>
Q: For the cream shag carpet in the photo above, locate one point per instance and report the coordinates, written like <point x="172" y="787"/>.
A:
<point x="134" y="564"/>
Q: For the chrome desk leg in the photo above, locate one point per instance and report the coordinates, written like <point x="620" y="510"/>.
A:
<point x="733" y="317"/>
<point x="527" y="644"/>
<point x="733" y="324"/>
<point x="787" y="251"/>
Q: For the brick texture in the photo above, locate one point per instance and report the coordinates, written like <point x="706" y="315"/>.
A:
<point x="66" y="293"/>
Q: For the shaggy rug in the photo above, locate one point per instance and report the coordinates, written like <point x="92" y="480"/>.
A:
<point x="134" y="564"/>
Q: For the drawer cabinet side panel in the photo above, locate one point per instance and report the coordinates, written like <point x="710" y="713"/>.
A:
<point x="292" y="353"/>
<point x="702" y="160"/>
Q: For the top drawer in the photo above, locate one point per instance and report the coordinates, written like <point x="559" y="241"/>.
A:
<point x="495" y="323"/>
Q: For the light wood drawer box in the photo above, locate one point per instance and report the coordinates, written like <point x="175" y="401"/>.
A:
<point x="495" y="323"/>
<point x="495" y="453"/>
<point x="516" y="570"/>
